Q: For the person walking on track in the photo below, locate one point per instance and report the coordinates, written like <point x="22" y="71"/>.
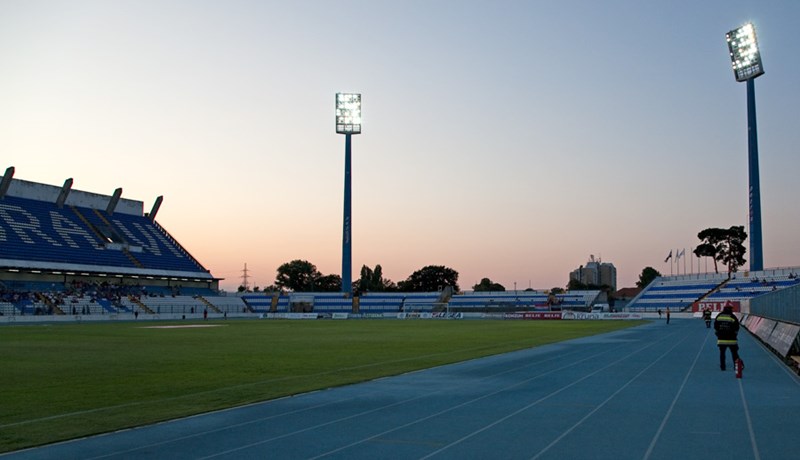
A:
<point x="707" y="317"/>
<point x="726" y="327"/>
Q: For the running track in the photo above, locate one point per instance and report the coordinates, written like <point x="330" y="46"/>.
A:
<point x="651" y="392"/>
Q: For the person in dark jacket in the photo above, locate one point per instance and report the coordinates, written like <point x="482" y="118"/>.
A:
<point x="726" y="327"/>
<point x="707" y="317"/>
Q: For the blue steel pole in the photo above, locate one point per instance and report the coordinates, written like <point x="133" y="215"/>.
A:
<point x="347" y="241"/>
<point x="756" y="255"/>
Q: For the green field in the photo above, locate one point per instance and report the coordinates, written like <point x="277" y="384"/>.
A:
<point x="65" y="381"/>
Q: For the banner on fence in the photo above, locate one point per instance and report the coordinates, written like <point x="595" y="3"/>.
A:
<point x="533" y="315"/>
<point x="716" y="306"/>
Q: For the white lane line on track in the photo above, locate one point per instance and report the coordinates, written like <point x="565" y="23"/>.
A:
<point x="756" y="454"/>
<point x="262" y="419"/>
<point x="217" y="430"/>
<point x="429" y="394"/>
<point x="674" y="401"/>
<point x="544" y="398"/>
<point x="602" y="404"/>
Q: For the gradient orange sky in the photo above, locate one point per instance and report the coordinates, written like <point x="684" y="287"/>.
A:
<point x="504" y="139"/>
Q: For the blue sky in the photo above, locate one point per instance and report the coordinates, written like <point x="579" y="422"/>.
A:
<point x="504" y="139"/>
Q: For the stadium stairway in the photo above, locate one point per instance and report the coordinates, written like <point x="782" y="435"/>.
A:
<point x="210" y="305"/>
<point x="140" y="304"/>
<point x="43" y="299"/>
<point x="716" y="289"/>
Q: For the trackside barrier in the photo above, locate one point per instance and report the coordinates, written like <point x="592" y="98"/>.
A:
<point x="533" y="315"/>
<point x="601" y="316"/>
<point x="291" y="315"/>
<point x="523" y="315"/>
<point x="777" y="335"/>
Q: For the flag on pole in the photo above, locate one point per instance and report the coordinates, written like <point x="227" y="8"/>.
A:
<point x="669" y="256"/>
<point x="680" y="254"/>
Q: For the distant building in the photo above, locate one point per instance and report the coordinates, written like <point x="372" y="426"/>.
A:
<point x="596" y="272"/>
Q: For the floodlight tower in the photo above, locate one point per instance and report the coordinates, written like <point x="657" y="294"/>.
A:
<point x="746" y="61"/>
<point x="348" y="122"/>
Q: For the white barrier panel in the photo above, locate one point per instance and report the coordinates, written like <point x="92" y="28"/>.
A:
<point x="783" y="337"/>
<point x="444" y="315"/>
<point x="290" y="316"/>
<point x="593" y="316"/>
<point x="415" y="315"/>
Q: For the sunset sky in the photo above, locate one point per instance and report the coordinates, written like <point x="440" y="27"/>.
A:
<point x="504" y="139"/>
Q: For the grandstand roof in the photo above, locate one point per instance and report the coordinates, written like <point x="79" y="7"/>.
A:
<point x="50" y="228"/>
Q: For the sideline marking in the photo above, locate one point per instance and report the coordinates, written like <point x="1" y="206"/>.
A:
<point x="749" y="423"/>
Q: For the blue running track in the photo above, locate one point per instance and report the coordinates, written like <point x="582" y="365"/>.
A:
<point x="650" y="392"/>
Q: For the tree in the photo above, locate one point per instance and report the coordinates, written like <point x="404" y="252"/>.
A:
<point x="487" y="285"/>
<point x="707" y="250"/>
<point x="557" y="290"/>
<point x="723" y="245"/>
<point x="733" y="251"/>
<point x="429" y="279"/>
<point x="328" y="283"/>
<point x="647" y="276"/>
<point x="297" y="275"/>
<point x="373" y="280"/>
<point x="712" y="240"/>
<point x="576" y="285"/>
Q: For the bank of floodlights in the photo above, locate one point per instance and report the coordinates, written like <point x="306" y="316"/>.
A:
<point x="348" y="113"/>
<point x="745" y="57"/>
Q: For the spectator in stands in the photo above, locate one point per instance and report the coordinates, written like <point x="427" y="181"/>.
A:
<point x="726" y="328"/>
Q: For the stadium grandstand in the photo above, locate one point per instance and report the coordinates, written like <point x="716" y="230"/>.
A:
<point x="687" y="292"/>
<point x="392" y="303"/>
<point x="70" y="252"/>
<point x="67" y="252"/>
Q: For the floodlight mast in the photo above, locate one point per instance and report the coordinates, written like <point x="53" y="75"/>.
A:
<point x="747" y="65"/>
<point x="348" y="122"/>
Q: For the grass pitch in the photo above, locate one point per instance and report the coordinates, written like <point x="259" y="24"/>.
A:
<point x="65" y="381"/>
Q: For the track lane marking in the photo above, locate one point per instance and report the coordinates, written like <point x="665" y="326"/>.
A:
<point x="675" y="400"/>
<point x="749" y="423"/>
<point x="602" y="404"/>
<point x="544" y="398"/>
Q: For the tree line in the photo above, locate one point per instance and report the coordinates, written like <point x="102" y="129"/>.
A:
<point x="303" y="276"/>
<point x="722" y="245"/>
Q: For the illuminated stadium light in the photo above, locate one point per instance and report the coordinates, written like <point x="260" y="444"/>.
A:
<point x="348" y="113"/>
<point x="348" y="122"/>
<point x="745" y="56"/>
<point x="747" y="65"/>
